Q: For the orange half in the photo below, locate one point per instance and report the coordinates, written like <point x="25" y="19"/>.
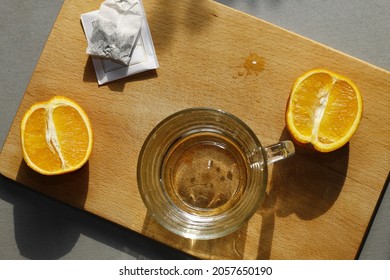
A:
<point x="324" y="110"/>
<point x="56" y="136"/>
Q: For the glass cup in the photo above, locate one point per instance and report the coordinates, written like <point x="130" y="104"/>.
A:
<point x="202" y="172"/>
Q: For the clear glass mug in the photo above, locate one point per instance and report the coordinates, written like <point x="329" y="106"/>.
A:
<point x="202" y="172"/>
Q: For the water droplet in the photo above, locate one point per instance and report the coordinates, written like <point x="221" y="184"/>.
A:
<point x="253" y="65"/>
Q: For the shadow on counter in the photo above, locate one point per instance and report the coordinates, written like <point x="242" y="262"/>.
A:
<point x="295" y="188"/>
<point x="49" y="229"/>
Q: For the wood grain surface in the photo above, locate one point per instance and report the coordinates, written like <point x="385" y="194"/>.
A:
<point x="318" y="206"/>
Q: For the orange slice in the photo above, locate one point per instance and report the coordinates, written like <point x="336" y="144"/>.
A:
<point x="56" y="136"/>
<point x="324" y="110"/>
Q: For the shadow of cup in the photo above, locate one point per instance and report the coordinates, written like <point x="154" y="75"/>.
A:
<point x="231" y="246"/>
<point x="307" y="186"/>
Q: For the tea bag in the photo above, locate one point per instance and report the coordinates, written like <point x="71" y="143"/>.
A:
<point x="116" y="30"/>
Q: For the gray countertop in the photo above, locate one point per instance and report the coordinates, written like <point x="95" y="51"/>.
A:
<point x="33" y="226"/>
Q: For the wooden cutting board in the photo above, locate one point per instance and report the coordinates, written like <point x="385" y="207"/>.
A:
<point x="318" y="206"/>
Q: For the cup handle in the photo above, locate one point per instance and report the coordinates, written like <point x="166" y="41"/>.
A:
<point x="279" y="151"/>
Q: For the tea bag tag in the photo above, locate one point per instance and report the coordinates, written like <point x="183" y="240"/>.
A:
<point x="116" y="30"/>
